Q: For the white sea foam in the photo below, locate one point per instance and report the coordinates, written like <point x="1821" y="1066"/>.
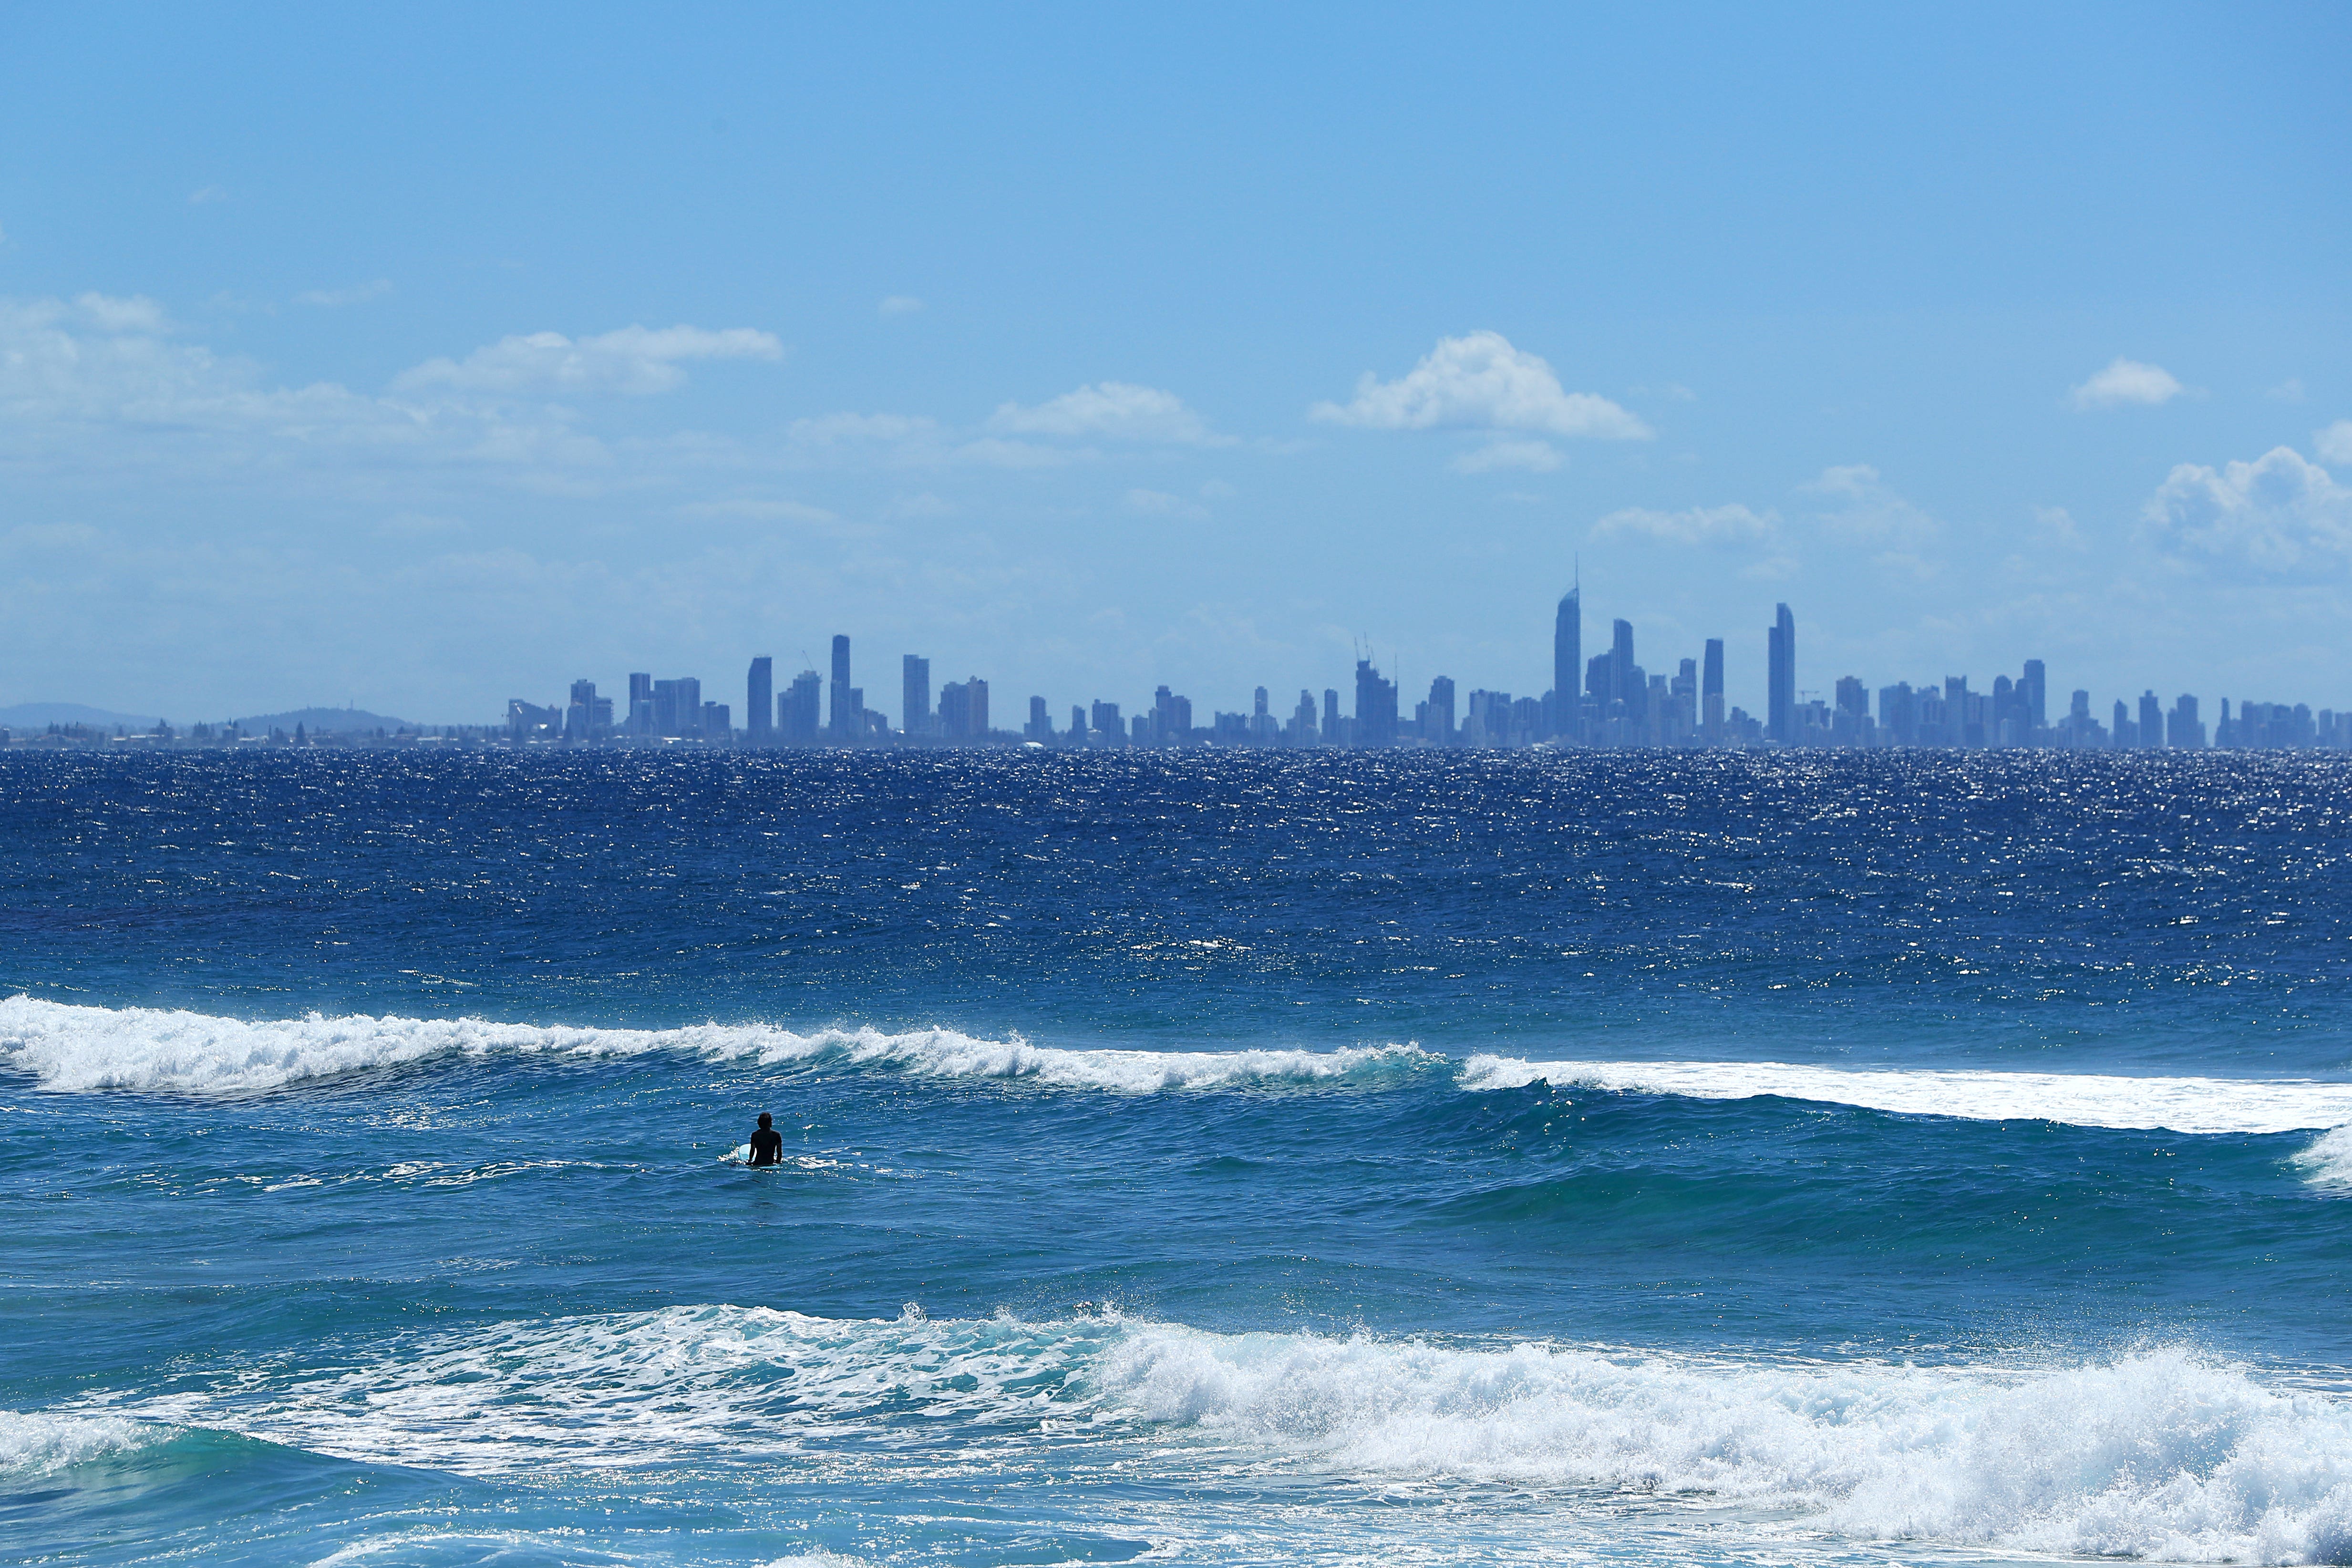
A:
<point x="36" y="1444"/>
<point x="2154" y="1456"/>
<point x="647" y="1387"/>
<point x="2329" y="1160"/>
<point x="2083" y="1099"/>
<point x="2157" y="1456"/>
<point x="71" y="1047"/>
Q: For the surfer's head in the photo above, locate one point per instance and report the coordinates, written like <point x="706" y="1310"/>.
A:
<point x="766" y="1119"/>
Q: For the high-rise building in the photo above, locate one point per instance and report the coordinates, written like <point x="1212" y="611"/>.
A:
<point x="1335" y="729"/>
<point x="641" y="705"/>
<point x="759" y="702"/>
<point x="2037" y="717"/>
<point x="1041" y="723"/>
<point x="1621" y="663"/>
<point x="1568" y="663"/>
<point x="1109" y="724"/>
<point x="718" y="723"/>
<point x="678" y="708"/>
<point x="1710" y="688"/>
<point x="955" y="711"/>
<point x="1302" y="730"/>
<point x="1438" y="728"/>
<point x="1376" y="707"/>
<point x="1899" y="715"/>
<point x="979" y="700"/>
<point x="847" y="717"/>
<point x="580" y="715"/>
<point x="2151" y="720"/>
<point x="2182" y="727"/>
<point x="915" y="695"/>
<point x="799" y="710"/>
<point x="1780" y="675"/>
<point x="1077" y="725"/>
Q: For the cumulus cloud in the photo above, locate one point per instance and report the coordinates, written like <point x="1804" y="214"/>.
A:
<point x="1534" y="457"/>
<point x="358" y="294"/>
<point x="2127" y="381"/>
<point x="2334" y="443"/>
<point x="1479" y="381"/>
<point x="2278" y="516"/>
<point x="898" y="305"/>
<point x="1160" y="503"/>
<point x="1698" y="525"/>
<point x="1111" y="410"/>
<point x="634" y="359"/>
<point x="1863" y="509"/>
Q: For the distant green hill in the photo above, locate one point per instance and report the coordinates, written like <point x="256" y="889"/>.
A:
<point x="26" y="715"/>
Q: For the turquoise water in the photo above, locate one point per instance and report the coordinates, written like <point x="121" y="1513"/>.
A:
<point x="1235" y="1158"/>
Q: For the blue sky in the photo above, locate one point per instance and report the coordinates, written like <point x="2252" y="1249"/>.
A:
<point x="421" y="358"/>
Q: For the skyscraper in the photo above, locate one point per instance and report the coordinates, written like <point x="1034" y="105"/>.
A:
<point x="641" y="705"/>
<point x="759" y="702"/>
<point x="2034" y="684"/>
<point x="1711" y="694"/>
<point x="2151" y="720"/>
<point x="1438" y="731"/>
<point x="1568" y="663"/>
<point x="846" y="720"/>
<point x="1376" y="707"/>
<point x="915" y="695"/>
<point x="797" y="710"/>
<point x="1781" y="673"/>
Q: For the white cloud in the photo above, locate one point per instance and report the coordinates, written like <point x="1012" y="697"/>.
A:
<point x="2058" y="528"/>
<point x="2334" y="443"/>
<point x="137" y="313"/>
<point x="1707" y="525"/>
<point x="2127" y="381"/>
<point x="1479" y="381"/>
<point x="637" y="360"/>
<point x="204" y="196"/>
<point x="2287" y="391"/>
<point x="759" y="510"/>
<point x="358" y="294"/>
<point x="1158" y="503"/>
<point x="2278" y="516"/>
<point x="898" y="305"/>
<point x="1111" y="410"/>
<point x="1866" y="509"/>
<point x="1534" y="457"/>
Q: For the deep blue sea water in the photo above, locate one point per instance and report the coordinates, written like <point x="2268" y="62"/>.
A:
<point x="1238" y="1158"/>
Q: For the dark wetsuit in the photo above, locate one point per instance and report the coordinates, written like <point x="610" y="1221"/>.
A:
<point x="767" y="1147"/>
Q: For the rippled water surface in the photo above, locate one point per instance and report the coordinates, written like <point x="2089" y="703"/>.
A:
<point x="1218" y="1158"/>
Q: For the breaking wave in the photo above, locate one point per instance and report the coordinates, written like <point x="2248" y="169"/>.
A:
<point x="2197" y="1105"/>
<point x="71" y="1048"/>
<point x="2155" y="1455"/>
<point x="35" y="1444"/>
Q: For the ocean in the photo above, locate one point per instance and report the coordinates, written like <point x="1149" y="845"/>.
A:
<point x="1269" y="1158"/>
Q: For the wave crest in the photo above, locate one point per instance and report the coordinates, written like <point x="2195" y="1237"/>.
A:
<point x="34" y="1444"/>
<point x="2197" y="1105"/>
<point x="71" y="1047"/>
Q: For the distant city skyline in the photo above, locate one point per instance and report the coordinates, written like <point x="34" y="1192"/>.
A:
<point x="1110" y="348"/>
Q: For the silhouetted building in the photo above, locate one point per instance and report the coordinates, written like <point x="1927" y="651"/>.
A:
<point x="759" y="702"/>
<point x="2182" y="727"/>
<point x="1567" y="664"/>
<point x="1780" y="676"/>
<point x="1041" y="723"/>
<point x="798" y="710"/>
<point x="915" y="695"/>
<point x="717" y="726"/>
<point x="1437" y="724"/>
<point x="1376" y="707"/>
<point x="1710" y="691"/>
<point x="849" y="712"/>
<point x="2151" y="720"/>
<point x="678" y="708"/>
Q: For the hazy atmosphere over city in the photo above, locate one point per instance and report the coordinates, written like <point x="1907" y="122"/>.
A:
<point x="419" y="359"/>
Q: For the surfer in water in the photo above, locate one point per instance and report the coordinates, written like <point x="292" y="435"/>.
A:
<point x="767" y="1143"/>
